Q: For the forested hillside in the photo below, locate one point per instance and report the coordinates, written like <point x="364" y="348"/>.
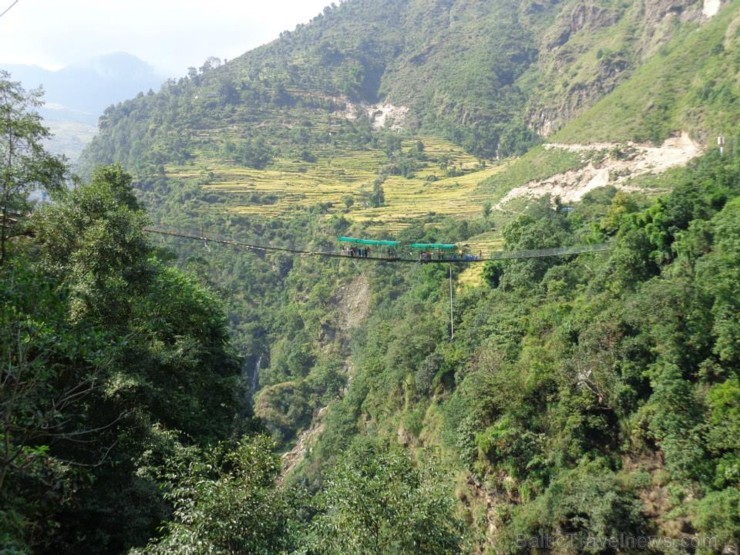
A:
<point x="490" y="76"/>
<point x="165" y="395"/>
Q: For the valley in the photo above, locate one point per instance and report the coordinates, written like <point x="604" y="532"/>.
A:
<point x="195" y="392"/>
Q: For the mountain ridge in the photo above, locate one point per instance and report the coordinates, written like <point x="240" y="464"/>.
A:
<point x="578" y="403"/>
<point x="492" y="78"/>
<point x="76" y="95"/>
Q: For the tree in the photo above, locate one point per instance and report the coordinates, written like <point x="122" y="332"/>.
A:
<point x="45" y="383"/>
<point x="225" y="500"/>
<point x="256" y="153"/>
<point x="100" y="343"/>
<point x="348" y="201"/>
<point x="542" y="226"/>
<point x="94" y="240"/>
<point x="24" y="163"/>
<point x="585" y="509"/>
<point x="376" y="501"/>
<point x="377" y="198"/>
<point x="487" y="209"/>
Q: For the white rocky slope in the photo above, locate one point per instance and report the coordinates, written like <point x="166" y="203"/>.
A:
<point x="611" y="164"/>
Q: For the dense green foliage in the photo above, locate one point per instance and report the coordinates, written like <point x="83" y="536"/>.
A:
<point x="585" y="404"/>
<point x="376" y="501"/>
<point x="224" y="500"/>
<point x="101" y="342"/>
<point x="577" y="389"/>
<point x="574" y="391"/>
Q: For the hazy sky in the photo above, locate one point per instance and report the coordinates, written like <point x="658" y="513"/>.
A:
<point x="171" y="35"/>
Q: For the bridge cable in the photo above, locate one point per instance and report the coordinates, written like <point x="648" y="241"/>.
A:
<point x="501" y="255"/>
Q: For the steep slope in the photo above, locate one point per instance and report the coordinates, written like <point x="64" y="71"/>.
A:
<point x="690" y="83"/>
<point x="584" y="403"/>
<point x="592" y="47"/>
<point x="610" y="164"/>
<point x="490" y="76"/>
<point x="582" y="399"/>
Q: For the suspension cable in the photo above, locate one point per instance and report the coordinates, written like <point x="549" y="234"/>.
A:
<point x="500" y="255"/>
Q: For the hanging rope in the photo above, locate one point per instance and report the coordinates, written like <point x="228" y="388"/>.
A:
<point x="452" y="314"/>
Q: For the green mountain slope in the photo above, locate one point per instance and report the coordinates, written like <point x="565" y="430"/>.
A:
<point x="691" y="84"/>
<point x="580" y="398"/>
<point x="489" y="76"/>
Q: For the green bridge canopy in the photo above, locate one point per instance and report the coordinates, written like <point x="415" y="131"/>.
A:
<point x="371" y="242"/>
<point x="434" y="246"/>
<point x="384" y="243"/>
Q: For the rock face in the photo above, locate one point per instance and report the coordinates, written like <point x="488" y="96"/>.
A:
<point x="590" y="16"/>
<point x="658" y="10"/>
<point x="580" y="71"/>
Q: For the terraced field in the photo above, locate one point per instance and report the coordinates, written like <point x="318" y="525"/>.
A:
<point x="343" y="184"/>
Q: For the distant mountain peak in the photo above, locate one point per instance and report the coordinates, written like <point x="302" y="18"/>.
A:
<point x="118" y="66"/>
<point x="91" y="86"/>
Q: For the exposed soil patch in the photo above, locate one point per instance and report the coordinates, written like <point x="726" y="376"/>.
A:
<point x="381" y="115"/>
<point x="608" y="164"/>
<point x="306" y="440"/>
<point x="354" y="301"/>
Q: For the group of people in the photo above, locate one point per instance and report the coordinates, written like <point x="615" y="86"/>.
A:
<point x="357" y="252"/>
<point x="424" y="256"/>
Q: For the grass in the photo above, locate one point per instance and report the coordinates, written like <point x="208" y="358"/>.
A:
<point x="471" y="277"/>
<point x="342" y="184"/>
<point x="537" y="164"/>
<point x="408" y="200"/>
<point x="486" y="242"/>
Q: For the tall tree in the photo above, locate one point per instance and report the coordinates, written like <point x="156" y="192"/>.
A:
<point x="225" y="500"/>
<point x="25" y="165"/>
<point x="101" y="344"/>
<point x="377" y="501"/>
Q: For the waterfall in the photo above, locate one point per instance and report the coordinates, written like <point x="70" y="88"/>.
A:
<point x="256" y="373"/>
<point x="249" y="379"/>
